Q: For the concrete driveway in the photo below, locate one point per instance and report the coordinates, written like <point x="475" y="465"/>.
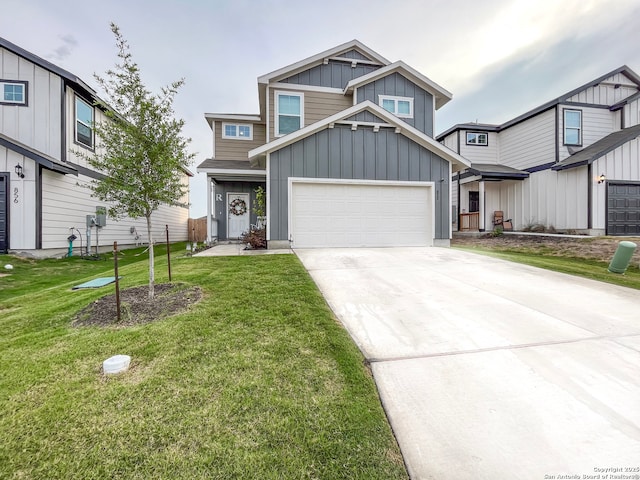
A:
<point x="489" y="369"/>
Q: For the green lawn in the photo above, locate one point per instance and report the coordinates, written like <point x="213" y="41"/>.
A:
<point x="257" y="381"/>
<point x="580" y="267"/>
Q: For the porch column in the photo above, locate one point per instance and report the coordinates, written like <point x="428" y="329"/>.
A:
<point x="209" y="209"/>
<point x="481" y="219"/>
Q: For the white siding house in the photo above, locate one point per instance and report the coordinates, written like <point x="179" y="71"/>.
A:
<point x="571" y="164"/>
<point x="46" y="115"/>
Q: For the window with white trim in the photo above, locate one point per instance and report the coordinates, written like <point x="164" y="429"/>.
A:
<point x="84" y="123"/>
<point x="289" y="114"/>
<point x="572" y="127"/>
<point x="400" y="106"/>
<point x="477" y="138"/>
<point x="237" y="131"/>
<point x="13" y="92"/>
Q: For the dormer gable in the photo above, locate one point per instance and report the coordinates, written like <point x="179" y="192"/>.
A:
<point x="353" y="54"/>
<point x="441" y="95"/>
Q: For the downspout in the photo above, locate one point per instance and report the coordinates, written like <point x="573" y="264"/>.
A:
<point x="557" y="136"/>
<point x="39" y="207"/>
<point x="481" y="195"/>
<point x="210" y="199"/>
<point x="458" y="204"/>
<point x="589" y="196"/>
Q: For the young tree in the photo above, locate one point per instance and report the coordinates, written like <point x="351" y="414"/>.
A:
<point x="141" y="150"/>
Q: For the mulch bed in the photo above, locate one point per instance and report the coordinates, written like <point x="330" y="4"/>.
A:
<point x="136" y="308"/>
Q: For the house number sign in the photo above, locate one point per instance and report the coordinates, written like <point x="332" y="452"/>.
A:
<point x="16" y="195"/>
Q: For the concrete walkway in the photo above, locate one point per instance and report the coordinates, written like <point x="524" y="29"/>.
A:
<point x="232" y="249"/>
<point x="489" y="369"/>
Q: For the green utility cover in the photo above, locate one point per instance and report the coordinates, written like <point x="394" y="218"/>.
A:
<point x="97" y="283"/>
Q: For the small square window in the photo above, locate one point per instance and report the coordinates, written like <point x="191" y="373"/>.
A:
<point x="13" y="92"/>
<point x="400" y="106"/>
<point x="237" y="132"/>
<point x="477" y="138"/>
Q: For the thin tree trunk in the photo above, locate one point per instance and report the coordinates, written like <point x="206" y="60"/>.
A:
<point x="151" y="261"/>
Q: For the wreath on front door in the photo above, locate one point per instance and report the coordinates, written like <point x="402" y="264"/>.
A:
<point x="238" y="207"/>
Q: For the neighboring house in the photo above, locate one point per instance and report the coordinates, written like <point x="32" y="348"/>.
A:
<point x="344" y="146"/>
<point x="47" y="113"/>
<point x="572" y="164"/>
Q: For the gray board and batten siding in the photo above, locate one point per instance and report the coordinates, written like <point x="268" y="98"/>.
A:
<point x="397" y="85"/>
<point x="363" y="154"/>
<point x="335" y="74"/>
<point x="221" y="207"/>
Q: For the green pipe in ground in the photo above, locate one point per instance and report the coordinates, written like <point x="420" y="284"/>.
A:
<point x="622" y="257"/>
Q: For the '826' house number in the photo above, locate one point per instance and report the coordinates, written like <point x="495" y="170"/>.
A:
<point x="16" y="195"/>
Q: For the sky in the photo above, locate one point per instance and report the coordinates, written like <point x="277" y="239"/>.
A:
<point x="499" y="58"/>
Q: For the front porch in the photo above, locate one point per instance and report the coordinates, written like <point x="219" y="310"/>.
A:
<point x="483" y="190"/>
<point x="231" y="197"/>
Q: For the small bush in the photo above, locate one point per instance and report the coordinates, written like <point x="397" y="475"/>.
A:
<point x="498" y="230"/>
<point x="255" y="238"/>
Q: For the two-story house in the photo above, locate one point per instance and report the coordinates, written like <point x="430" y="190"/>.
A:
<point x="46" y="115"/>
<point x="343" y="144"/>
<point x="572" y="164"/>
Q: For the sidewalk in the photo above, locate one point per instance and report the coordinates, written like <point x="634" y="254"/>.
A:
<point x="233" y="249"/>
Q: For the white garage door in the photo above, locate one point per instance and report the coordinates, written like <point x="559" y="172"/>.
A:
<point x="367" y="214"/>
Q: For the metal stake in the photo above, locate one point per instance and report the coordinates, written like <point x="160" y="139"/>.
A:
<point x="168" y="252"/>
<point x="115" y="262"/>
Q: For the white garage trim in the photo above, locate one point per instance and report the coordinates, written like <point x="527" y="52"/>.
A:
<point x="429" y="206"/>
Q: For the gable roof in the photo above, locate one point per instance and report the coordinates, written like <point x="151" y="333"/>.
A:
<point x="634" y="77"/>
<point x="318" y="58"/>
<point x="598" y="149"/>
<point x="458" y="162"/>
<point x="441" y="95"/>
<point x="69" y="77"/>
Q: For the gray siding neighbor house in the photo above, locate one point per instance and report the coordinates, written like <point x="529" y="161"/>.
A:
<point x="571" y="165"/>
<point x="47" y="115"/>
<point x="344" y="147"/>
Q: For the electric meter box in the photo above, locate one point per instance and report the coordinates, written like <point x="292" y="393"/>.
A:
<point x="101" y="216"/>
<point x="91" y="221"/>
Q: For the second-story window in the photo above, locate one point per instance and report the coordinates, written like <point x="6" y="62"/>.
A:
<point x="237" y="131"/>
<point x="13" y="92"/>
<point x="289" y="115"/>
<point x="400" y="106"/>
<point x="84" y="123"/>
<point x="572" y="127"/>
<point x="477" y="138"/>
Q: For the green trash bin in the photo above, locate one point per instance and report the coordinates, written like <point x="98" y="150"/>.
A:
<point x="622" y="257"/>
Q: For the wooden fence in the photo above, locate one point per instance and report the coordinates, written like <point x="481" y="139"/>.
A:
<point x="197" y="229"/>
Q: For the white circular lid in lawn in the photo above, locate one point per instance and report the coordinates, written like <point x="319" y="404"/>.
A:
<point x="116" y="364"/>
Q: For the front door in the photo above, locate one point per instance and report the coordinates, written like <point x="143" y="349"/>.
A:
<point x="237" y="214"/>
<point x="474" y="201"/>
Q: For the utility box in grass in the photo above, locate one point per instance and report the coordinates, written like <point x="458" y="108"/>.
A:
<point x="622" y="257"/>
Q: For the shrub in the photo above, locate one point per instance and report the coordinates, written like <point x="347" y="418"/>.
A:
<point x="255" y="238"/>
